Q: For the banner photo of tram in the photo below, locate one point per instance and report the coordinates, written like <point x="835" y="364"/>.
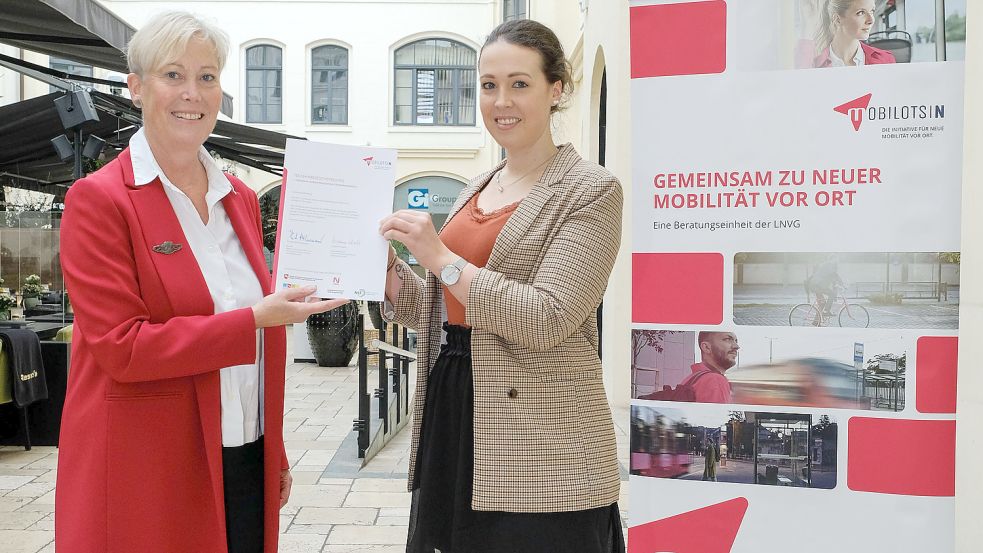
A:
<point x="784" y="367"/>
<point x="847" y="289"/>
<point x="743" y="447"/>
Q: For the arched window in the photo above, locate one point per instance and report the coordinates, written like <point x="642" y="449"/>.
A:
<point x="329" y="85"/>
<point x="264" y="84"/>
<point x="514" y="9"/>
<point x="435" y="83"/>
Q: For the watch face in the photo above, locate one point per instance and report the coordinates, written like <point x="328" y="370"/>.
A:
<point x="450" y="274"/>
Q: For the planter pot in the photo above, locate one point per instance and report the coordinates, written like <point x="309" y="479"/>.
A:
<point x="31" y="303"/>
<point x="334" y="335"/>
<point x="375" y="314"/>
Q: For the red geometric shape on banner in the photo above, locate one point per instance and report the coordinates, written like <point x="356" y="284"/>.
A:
<point x="855" y="109"/>
<point x="689" y="38"/>
<point x="902" y="457"/>
<point x="711" y="529"/>
<point x="677" y="288"/>
<point x="935" y="374"/>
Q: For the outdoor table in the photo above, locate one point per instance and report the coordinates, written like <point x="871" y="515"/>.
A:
<point x="45" y="331"/>
<point x="67" y="318"/>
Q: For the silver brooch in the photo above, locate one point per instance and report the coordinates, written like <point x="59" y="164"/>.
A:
<point x="167" y="248"/>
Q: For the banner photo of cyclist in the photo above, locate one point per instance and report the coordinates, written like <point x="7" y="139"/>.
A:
<point x="795" y="237"/>
<point x="784" y="367"/>
<point x="791" y="450"/>
<point x="915" y="290"/>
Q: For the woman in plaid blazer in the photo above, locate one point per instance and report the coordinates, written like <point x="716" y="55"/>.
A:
<point x="513" y="443"/>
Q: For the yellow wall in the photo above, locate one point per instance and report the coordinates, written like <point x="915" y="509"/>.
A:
<point x="595" y="40"/>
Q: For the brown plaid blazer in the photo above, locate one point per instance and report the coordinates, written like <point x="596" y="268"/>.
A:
<point x="543" y="435"/>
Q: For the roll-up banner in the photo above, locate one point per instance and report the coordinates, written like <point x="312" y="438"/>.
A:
<point x="795" y="275"/>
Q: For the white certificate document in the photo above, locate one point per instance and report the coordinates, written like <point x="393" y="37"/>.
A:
<point x="332" y="200"/>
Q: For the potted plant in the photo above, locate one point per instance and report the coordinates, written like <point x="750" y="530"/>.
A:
<point x="31" y="291"/>
<point x="6" y="302"/>
<point x="374" y="309"/>
<point x="333" y="335"/>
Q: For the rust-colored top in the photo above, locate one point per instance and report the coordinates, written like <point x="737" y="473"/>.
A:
<point x="471" y="234"/>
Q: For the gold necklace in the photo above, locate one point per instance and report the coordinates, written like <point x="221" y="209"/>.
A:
<point x="498" y="176"/>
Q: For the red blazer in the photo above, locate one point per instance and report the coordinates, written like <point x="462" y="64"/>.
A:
<point x="872" y="56"/>
<point x="140" y="454"/>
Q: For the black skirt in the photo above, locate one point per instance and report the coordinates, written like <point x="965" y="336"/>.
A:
<point x="242" y="469"/>
<point x="441" y="518"/>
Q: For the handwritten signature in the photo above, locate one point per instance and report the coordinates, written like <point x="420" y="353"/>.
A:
<point x="302" y="237"/>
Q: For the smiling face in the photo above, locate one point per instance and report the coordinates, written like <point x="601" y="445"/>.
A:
<point x="516" y="97"/>
<point x="856" y="21"/>
<point x="180" y="99"/>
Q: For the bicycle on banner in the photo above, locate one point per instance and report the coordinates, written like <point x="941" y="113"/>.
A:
<point x="823" y="311"/>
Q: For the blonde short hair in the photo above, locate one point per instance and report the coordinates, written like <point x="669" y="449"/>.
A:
<point x="165" y="37"/>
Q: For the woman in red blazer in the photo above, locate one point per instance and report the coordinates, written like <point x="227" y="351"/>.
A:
<point x="172" y="436"/>
<point x="844" y="25"/>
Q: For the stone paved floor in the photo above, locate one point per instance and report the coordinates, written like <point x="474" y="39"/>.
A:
<point x="334" y="508"/>
<point x="910" y="315"/>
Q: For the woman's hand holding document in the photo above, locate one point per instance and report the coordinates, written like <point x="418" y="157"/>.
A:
<point x="331" y="202"/>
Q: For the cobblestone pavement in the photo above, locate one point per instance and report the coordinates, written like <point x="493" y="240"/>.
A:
<point x="911" y="315"/>
<point x="334" y="507"/>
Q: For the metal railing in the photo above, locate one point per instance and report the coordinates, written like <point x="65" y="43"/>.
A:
<point x="392" y="391"/>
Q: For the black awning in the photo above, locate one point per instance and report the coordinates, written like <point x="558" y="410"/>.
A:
<point x="78" y="30"/>
<point x="28" y="160"/>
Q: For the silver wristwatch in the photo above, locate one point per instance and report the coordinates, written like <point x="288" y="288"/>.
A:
<point x="450" y="274"/>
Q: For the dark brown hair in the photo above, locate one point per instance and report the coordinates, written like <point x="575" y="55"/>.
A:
<point x="536" y="36"/>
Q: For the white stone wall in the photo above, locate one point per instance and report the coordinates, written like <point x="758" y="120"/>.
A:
<point x="969" y="479"/>
<point x="371" y="30"/>
<point x="9" y="79"/>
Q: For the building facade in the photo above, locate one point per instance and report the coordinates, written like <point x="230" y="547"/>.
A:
<point x="401" y="74"/>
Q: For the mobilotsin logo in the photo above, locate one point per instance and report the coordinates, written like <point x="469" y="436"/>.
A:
<point x="418" y="198"/>
<point x="859" y="110"/>
<point x="855" y="110"/>
<point x="376" y="163"/>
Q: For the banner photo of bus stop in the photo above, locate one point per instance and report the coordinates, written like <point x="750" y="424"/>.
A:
<point x="795" y="274"/>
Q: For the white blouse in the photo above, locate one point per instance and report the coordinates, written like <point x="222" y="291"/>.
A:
<point x="231" y="282"/>
<point x="859" y="59"/>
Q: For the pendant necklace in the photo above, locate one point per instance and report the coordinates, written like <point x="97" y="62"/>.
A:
<point x="498" y="176"/>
